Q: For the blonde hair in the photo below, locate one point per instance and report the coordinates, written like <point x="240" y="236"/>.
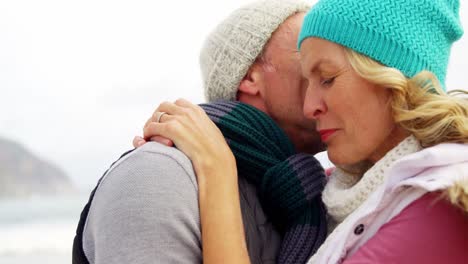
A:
<point x="419" y="104"/>
<point x="458" y="194"/>
<point x="421" y="107"/>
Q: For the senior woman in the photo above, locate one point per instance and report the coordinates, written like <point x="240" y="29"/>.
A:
<point x="376" y="73"/>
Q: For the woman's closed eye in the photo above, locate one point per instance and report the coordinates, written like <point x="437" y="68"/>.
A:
<point x="328" y="81"/>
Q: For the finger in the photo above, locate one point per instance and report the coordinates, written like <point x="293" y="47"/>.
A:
<point x="153" y="118"/>
<point x="187" y="104"/>
<point x="192" y="111"/>
<point x="172" y="130"/>
<point x="183" y="103"/>
<point x="162" y="140"/>
<point x="170" y="108"/>
<point x="150" y="129"/>
<point x="148" y="122"/>
<point x="166" y="107"/>
<point x="138" y="141"/>
<point x="157" y="116"/>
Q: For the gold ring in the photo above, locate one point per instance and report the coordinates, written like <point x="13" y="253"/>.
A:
<point x="159" y="116"/>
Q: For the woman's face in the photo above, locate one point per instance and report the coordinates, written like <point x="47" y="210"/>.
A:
<point x="353" y="115"/>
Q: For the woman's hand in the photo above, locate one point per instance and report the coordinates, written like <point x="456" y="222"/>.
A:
<point x="139" y="141"/>
<point x="192" y="131"/>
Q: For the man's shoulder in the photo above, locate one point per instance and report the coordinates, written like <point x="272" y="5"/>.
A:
<point x="157" y="150"/>
<point x="145" y="208"/>
<point x="152" y="178"/>
<point x="152" y="161"/>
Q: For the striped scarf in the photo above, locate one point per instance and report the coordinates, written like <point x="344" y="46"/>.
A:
<point x="289" y="184"/>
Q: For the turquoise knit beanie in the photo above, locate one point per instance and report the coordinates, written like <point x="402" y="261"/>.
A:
<point x="409" y="35"/>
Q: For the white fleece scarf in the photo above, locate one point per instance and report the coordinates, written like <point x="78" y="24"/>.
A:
<point x="345" y="192"/>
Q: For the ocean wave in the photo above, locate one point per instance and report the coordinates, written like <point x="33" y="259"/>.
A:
<point x="37" y="237"/>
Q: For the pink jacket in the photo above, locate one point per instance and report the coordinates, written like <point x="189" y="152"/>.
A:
<point x="430" y="230"/>
<point x="405" y="220"/>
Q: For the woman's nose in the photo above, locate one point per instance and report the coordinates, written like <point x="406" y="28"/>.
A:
<point x="314" y="106"/>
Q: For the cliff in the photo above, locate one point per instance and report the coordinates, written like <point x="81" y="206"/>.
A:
<point x="23" y="173"/>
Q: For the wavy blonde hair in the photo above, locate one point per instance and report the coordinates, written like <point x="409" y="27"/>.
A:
<point x="419" y="104"/>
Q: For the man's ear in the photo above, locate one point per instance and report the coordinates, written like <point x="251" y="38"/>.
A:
<point x="252" y="81"/>
<point x="251" y="88"/>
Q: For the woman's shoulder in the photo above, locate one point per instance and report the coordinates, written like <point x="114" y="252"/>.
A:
<point x="435" y="168"/>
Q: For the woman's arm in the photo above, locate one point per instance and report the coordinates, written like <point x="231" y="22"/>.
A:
<point x="197" y="136"/>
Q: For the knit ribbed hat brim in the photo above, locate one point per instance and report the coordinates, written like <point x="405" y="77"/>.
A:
<point x="232" y="47"/>
<point x="409" y="35"/>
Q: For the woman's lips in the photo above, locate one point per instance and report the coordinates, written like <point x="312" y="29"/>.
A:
<point x="326" y="133"/>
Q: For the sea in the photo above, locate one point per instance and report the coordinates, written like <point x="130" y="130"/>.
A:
<point x="39" y="229"/>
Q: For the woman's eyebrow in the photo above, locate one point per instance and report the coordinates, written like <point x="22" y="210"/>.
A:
<point x="320" y="62"/>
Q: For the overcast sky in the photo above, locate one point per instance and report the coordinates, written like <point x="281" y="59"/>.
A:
<point x="79" y="78"/>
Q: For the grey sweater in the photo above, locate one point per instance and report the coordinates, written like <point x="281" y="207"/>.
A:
<point x="145" y="210"/>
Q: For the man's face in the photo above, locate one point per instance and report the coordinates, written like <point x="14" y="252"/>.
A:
<point x="285" y="87"/>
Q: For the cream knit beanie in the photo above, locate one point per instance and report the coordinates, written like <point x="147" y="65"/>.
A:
<point x="232" y="47"/>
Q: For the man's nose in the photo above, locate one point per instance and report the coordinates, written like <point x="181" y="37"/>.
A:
<point x="314" y="105"/>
